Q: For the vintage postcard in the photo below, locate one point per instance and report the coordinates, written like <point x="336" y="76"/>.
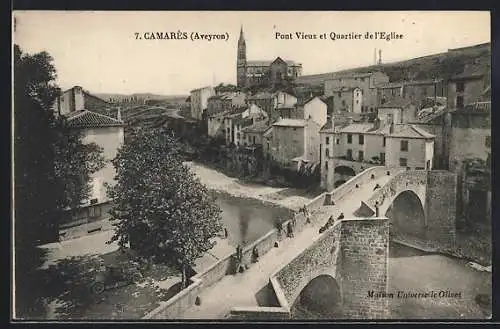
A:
<point x="251" y="166"/>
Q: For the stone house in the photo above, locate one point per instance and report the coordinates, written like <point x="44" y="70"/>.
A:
<point x="347" y="99"/>
<point x="254" y="134"/>
<point x="313" y="107"/>
<point x="239" y="119"/>
<point x="272" y="102"/>
<point x="108" y="133"/>
<point x="468" y="86"/>
<point x="225" y="102"/>
<point x="415" y="90"/>
<point x="294" y="138"/>
<point x="77" y="99"/>
<point x="199" y="101"/>
<point x="367" y="82"/>
<point x="348" y="149"/>
<point x="399" y="109"/>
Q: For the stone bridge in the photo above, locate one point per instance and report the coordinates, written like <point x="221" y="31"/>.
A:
<point x="339" y="273"/>
<point x="419" y="203"/>
<point x="335" y="275"/>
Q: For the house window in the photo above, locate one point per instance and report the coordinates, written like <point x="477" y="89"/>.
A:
<point x="337" y="141"/>
<point x="403" y="162"/>
<point x="327" y="152"/>
<point x="326" y="165"/>
<point x="357" y="101"/>
<point x="383" y="143"/>
<point x="95" y="212"/>
<point x="460" y="87"/>
<point x="253" y="138"/>
<point x="349" y="154"/>
<point x="404" y="146"/>
<point x="382" y="158"/>
<point x="237" y="135"/>
<point x="488" y="141"/>
<point x="327" y="140"/>
<point x="460" y="102"/>
<point x="349" y="139"/>
<point x="361" y="139"/>
<point x="343" y="102"/>
<point x="360" y="156"/>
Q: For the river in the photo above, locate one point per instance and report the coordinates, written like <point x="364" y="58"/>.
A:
<point x="248" y="219"/>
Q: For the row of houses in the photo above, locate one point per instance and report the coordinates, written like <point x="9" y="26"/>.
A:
<point x="416" y="124"/>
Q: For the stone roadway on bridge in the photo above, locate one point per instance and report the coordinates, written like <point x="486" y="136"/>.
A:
<point x="239" y="290"/>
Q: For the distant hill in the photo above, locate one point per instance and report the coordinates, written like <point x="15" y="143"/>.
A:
<point x="442" y="65"/>
<point x="141" y="96"/>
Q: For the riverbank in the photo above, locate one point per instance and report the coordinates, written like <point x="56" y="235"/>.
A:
<point x="287" y="197"/>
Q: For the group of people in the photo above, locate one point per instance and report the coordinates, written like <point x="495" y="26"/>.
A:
<point x="330" y="222"/>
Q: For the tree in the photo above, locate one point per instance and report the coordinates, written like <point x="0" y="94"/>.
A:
<point x="51" y="169"/>
<point x="160" y="208"/>
<point x="222" y="88"/>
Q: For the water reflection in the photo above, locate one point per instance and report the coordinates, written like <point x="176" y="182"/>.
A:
<point x="247" y="220"/>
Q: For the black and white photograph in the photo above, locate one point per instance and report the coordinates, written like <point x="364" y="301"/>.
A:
<point x="251" y="166"/>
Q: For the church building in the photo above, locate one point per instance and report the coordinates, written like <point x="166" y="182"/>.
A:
<point x="261" y="72"/>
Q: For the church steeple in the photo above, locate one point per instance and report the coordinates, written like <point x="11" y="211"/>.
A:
<point x="241" y="60"/>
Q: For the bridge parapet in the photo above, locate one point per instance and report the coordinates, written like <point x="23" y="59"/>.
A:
<point x="354" y="252"/>
<point x="411" y="180"/>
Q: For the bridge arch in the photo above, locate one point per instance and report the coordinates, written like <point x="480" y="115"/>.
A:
<point x="407" y="214"/>
<point x="319" y="298"/>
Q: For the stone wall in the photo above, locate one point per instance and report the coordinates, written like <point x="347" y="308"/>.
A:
<point x="441" y="207"/>
<point x="320" y="258"/>
<point x="412" y="180"/>
<point x="363" y="267"/>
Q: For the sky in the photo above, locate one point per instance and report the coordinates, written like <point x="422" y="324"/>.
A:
<point x="100" y="52"/>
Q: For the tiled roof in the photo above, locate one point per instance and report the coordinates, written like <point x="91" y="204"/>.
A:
<point x="307" y="100"/>
<point x="409" y="131"/>
<point x="396" y="103"/>
<point x="344" y="89"/>
<point x="88" y="119"/>
<point x="268" y="131"/>
<point x="357" y="128"/>
<point x="290" y="123"/>
<point x="258" y="127"/>
<point x="262" y="95"/>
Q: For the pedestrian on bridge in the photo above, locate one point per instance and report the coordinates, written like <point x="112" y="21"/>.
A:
<point x="290" y="229"/>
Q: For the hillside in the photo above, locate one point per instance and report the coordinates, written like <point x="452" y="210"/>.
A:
<point x="442" y="65"/>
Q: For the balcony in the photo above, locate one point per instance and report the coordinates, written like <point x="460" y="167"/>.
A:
<point x="478" y="107"/>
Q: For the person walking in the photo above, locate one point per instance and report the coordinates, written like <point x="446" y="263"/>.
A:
<point x="226" y="234"/>
<point x="290" y="229"/>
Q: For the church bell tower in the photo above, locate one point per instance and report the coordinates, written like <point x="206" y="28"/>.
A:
<point x="241" y="61"/>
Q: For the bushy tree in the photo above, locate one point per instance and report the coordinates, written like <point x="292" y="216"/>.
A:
<point x="51" y="168"/>
<point x="160" y="207"/>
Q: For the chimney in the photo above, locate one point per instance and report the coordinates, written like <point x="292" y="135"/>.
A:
<point x="119" y="114"/>
<point x="375" y="56"/>
<point x="380" y="56"/>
